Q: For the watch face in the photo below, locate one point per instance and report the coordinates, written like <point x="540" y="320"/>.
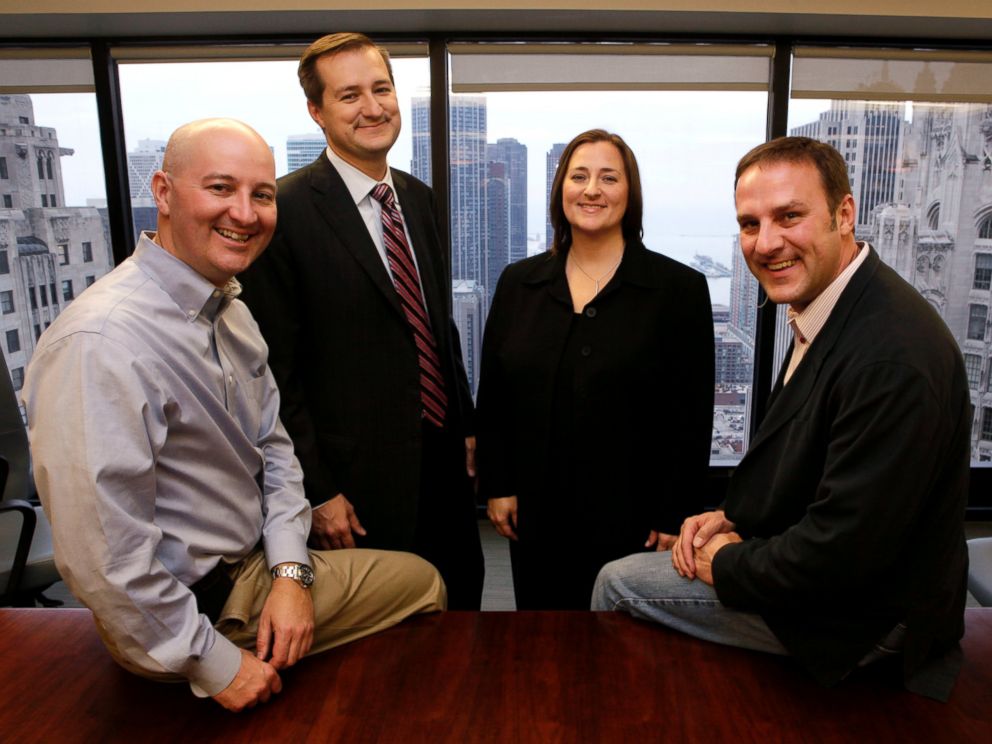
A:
<point x="306" y="575"/>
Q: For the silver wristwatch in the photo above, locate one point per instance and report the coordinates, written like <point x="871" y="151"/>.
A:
<point x="301" y="573"/>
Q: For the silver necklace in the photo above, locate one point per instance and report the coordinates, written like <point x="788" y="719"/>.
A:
<point x="591" y="278"/>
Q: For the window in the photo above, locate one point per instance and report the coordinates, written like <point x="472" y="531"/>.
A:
<point x="976" y="322"/>
<point x="63" y="252"/>
<point x="13" y="341"/>
<point x="90" y="279"/>
<point x="51" y="289"/>
<point x="987" y="424"/>
<point x="67" y="293"/>
<point x="7" y="302"/>
<point x="44" y="200"/>
<point x="973" y="366"/>
<point x="3" y="169"/>
<point x="44" y="295"/>
<point x="985" y="228"/>
<point x="924" y="214"/>
<point x="514" y="106"/>
<point x="4" y="262"/>
<point x="87" y="251"/>
<point x="48" y="167"/>
<point x="17" y="377"/>
<point x="983" y="271"/>
<point x="51" y="200"/>
<point x="33" y="297"/>
<point x="159" y="93"/>
<point x="41" y="168"/>
<point x="8" y="201"/>
<point x="37" y="331"/>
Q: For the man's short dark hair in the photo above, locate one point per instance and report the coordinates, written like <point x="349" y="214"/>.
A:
<point x="828" y="163"/>
<point x="310" y="81"/>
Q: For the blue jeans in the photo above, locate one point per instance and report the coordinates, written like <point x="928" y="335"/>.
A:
<point x="647" y="586"/>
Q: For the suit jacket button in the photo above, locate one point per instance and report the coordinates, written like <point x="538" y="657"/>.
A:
<point x="586" y="351"/>
<point x="590" y="312"/>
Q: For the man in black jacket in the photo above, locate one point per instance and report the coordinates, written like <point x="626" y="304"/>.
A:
<point x="841" y="539"/>
<point x="353" y="298"/>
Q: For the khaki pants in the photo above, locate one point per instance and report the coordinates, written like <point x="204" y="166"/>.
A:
<point x="355" y="593"/>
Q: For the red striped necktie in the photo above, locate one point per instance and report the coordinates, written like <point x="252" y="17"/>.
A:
<point x="407" y="283"/>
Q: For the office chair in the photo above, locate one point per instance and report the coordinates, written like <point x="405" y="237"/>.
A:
<point x="980" y="570"/>
<point x="27" y="562"/>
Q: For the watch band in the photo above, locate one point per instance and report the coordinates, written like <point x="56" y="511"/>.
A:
<point x="301" y="573"/>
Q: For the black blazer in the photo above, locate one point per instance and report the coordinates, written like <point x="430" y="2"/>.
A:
<point x="853" y="492"/>
<point x="643" y="395"/>
<point x="342" y="351"/>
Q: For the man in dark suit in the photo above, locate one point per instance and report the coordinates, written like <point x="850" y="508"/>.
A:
<point x="841" y="538"/>
<point x="353" y="298"/>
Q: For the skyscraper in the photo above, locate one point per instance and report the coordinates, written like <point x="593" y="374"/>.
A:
<point x="498" y="189"/>
<point x="303" y="149"/>
<point x="869" y="136"/>
<point x="553" y="156"/>
<point x="420" y="165"/>
<point x="467" y="300"/>
<point x="142" y="162"/>
<point x="49" y="252"/>
<point x="468" y="170"/>
<point x="513" y="154"/>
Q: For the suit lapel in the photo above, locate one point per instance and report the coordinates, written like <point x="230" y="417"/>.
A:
<point x="788" y="399"/>
<point x="333" y="202"/>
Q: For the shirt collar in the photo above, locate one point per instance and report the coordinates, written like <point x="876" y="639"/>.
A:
<point x="191" y="292"/>
<point x="806" y="325"/>
<point x="359" y="184"/>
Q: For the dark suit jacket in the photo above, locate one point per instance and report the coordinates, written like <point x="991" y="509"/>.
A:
<point x="643" y="395"/>
<point x="853" y="492"/>
<point x="342" y="351"/>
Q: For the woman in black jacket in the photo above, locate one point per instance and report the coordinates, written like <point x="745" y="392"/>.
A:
<point x="595" y="402"/>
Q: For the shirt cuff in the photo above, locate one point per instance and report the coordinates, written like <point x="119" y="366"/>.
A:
<point x="286" y="547"/>
<point x="217" y="669"/>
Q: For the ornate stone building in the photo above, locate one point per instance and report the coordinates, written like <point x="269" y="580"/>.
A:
<point x="49" y="252"/>
<point x="938" y="235"/>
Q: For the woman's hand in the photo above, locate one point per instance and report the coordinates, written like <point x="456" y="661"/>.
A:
<point x="502" y="513"/>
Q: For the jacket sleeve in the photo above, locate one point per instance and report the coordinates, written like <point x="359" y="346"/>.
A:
<point x="494" y="428"/>
<point x="885" y="442"/>
<point x="270" y="289"/>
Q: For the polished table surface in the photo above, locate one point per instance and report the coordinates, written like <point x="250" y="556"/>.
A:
<point x="484" y="677"/>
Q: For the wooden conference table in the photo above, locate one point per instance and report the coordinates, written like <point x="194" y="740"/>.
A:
<point x="483" y="677"/>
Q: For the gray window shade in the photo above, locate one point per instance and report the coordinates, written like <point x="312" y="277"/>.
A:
<point x="479" y="68"/>
<point x="892" y="75"/>
<point x="50" y="71"/>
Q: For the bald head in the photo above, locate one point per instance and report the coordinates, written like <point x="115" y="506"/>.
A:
<point x="184" y="141"/>
<point x="216" y="197"/>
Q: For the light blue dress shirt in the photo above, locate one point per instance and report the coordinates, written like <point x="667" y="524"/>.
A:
<point x="158" y="452"/>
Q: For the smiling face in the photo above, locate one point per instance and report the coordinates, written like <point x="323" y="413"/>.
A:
<point x="595" y="189"/>
<point x="359" y="112"/>
<point x="791" y="241"/>
<point x="217" y="206"/>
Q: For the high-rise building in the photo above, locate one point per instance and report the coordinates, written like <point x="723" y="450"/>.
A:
<point x="496" y="255"/>
<point x="869" y="136"/>
<point x="468" y="170"/>
<point x="467" y="308"/>
<point x="743" y="294"/>
<point x="551" y="164"/>
<point x="420" y="165"/>
<point x="49" y="252"/>
<point x="142" y="162"/>
<point x="303" y="149"/>
<point x="513" y="154"/>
